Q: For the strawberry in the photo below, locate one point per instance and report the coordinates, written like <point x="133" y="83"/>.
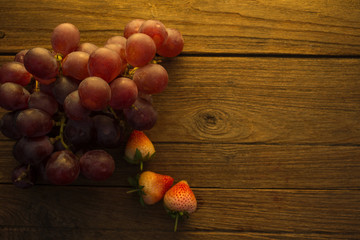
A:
<point x="139" y="148"/>
<point x="180" y="201"/>
<point x="151" y="186"/>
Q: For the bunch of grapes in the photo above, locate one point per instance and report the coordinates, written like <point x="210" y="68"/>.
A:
<point x="66" y="105"/>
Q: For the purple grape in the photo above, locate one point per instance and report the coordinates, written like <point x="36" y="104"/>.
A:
<point x="97" y="165"/>
<point x="32" y="150"/>
<point x="142" y="115"/>
<point x="73" y="107"/>
<point x="107" y="131"/>
<point x="78" y="133"/>
<point x="34" y="122"/>
<point x="62" y="87"/>
<point x="8" y="125"/>
<point x="41" y="63"/>
<point x="43" y="101"/>
<point x="13" y="96"/>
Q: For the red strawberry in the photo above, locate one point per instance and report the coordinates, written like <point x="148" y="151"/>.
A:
<point x="152" y="186"/>
<point x="139" y="148"/>
<point x="179" y="201"/>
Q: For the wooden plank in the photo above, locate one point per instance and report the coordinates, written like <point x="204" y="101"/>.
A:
<point x="267" y="100"/>
<point x="259" y="100"/>
<point x="280" y="27"/>
<point x="303" y="211"/>
<point x="235" y="166"/>
<point x="90" y="234"/>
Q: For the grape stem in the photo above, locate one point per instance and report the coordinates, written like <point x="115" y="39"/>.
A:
<point x="129" y="72"/>
<point x="37" y="86"/>
<point x="23" y="174"/>
<point x="59" y="58"/>
<point x="113" y="113"/>
<point x="63" y="118"/>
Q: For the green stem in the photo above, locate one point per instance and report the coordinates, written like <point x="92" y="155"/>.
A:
<point x="133" y="190"/>
<point x="176" y="221"/>
<point x="141" y="165"/>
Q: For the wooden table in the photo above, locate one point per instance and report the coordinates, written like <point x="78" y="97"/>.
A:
<point x="261" y="116"/>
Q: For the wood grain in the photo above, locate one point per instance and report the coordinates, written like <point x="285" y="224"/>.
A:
<point x="258" y="27"/>
<point x="235" y="166"/>
<point x="32" y="233"/>
<point x="303" y="211"/>
<point x="260" y="100"/>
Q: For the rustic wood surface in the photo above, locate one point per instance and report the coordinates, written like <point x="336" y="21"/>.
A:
<point x="261" y="116"/>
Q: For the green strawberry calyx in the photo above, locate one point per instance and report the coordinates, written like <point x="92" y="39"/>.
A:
<point x="176" y="215"/>
<point x="139" y="158"/>
<point x="134" y="183"/>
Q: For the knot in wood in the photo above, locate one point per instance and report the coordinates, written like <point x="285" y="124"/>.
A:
<point x="212" y="121"/>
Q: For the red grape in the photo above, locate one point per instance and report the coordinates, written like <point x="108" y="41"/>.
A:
<point x="132" y="27"/>
<point x="19" y="57"/>
<point x="140" y="49"/>
<point x="123" y="93"/>
<point x="62" y="168"/>
<point x="87" y="47"/>
<point x="104" y="63"/>
<point x="173" y="45"/>
<point x="75" y="65"/>
<point x="119" y="49"/>
<point x="94" y="93"/>
<point x="117" y="40"/>
<point x="65" y="38"/>
<point x="14" y="72"/>
<point x="45" y="81"/>
<point x="156" y="30"/>
<point x="151" y="79"/>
